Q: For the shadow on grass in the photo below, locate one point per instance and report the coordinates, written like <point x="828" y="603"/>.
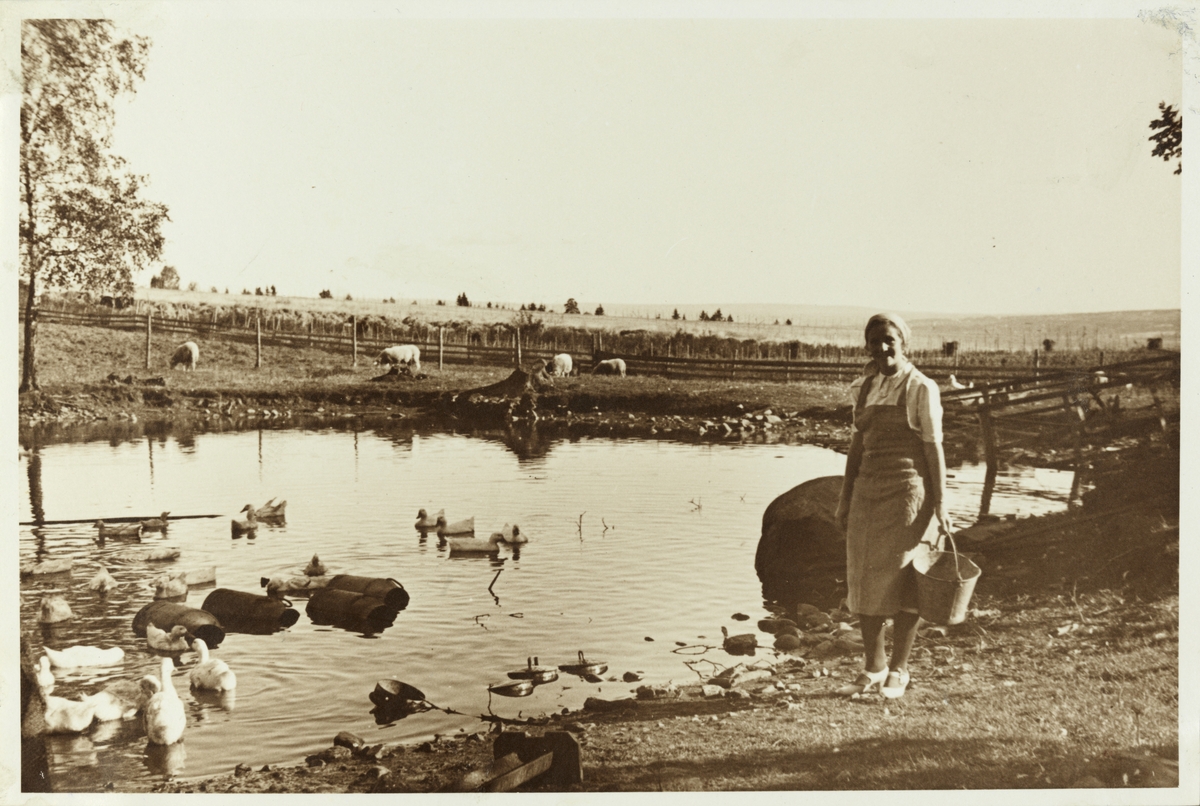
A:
<point x="875" y="764"/>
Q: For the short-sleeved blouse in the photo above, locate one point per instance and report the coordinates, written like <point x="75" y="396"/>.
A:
<point x="924" y="401"/>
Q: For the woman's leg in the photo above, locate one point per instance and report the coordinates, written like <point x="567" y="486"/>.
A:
<point x="904" y="632"/>
<point x="873" y="649"/>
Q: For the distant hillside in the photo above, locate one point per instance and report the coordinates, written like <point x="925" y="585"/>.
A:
<point x="812" y="324"/>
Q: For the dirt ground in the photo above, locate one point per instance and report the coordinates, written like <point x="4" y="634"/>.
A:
<point x="1065" y="673"/>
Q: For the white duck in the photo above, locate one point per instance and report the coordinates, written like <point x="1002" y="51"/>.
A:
<point x="74" y="656"/>
<point x="955" y="384"/>
<point x="173" y="641"/>
<point x="474" y="545"/>
<point x="45" y="677"/>
<point x="247" y="525"/>
<point x="165" y="717"/>
<point x="119" y="530"/>
<point x="424" y="521"/>
<point x="54" y="609"/>
<point x="102" y="582"/>
<point x="511" y="535"/>
<point x="68" y="716"/>
<point x="464" y="527"/>
<point x="315" y="567"/>
<point x="158" y="524"/>
<point x="271" y="511"/>
<point x="211" y="673"/>
<point x="168" y="586"/>
<point x="110" y="705"/>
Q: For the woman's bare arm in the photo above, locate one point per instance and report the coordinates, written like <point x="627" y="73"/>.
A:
<point x="935" y="459"/>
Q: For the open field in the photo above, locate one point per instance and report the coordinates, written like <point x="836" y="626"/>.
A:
<point x="1122" y="330"/>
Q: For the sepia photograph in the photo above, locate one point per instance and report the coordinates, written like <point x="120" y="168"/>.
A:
<point x="778" y="398"/>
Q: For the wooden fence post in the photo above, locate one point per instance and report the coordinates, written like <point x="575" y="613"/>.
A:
<point x="517" y="344"/>
<point x="257" y="340"/>
<point x="1036" y="362"/>
<point x="354" y="337"/>
<point x="441" y="345"/>
<point x="149" y="316"/>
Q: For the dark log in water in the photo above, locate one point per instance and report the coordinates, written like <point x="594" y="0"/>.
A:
<point x="390" y="591"/>
<point x="250" y="613"/>
<point x="165" y="615"/>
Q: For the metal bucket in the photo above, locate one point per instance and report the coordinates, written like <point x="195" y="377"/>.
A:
<point x="349" y="610"/>
<point x="250" y="613"/>
<point x="390" y="591"/>
<point x="945" y="582"/>
<point x="165" y="615"/>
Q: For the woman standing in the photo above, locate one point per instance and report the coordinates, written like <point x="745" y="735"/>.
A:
<point x="893" y="497"/>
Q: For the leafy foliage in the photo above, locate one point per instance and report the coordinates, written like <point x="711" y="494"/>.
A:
<point x="1168" y="141"/>
<point x="572" y="306"/>
<point x="83" y="221"/>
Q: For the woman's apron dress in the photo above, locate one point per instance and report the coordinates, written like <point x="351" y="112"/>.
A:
<point x="890" y="510"/>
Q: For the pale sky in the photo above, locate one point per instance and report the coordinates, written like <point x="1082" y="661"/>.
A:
<point x="986" y="166"/>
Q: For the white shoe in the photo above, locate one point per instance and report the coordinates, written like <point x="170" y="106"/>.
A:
<point x="897" y="682"/>
<point x="863" y="683"/>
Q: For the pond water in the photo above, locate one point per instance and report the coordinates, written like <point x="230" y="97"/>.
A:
<point x="633" y="547"/>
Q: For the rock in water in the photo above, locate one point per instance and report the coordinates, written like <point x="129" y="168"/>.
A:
<point x="802" y="552"/>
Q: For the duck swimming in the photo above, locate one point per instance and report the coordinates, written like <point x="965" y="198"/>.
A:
<point x="271" y="511"/>
<point x="102" y="582"/>
<point x="474" y="545"/>
<point x="173" y="641"/>
<point x="54" y="609"/>
<point x="210" y="673"/>
<point x="68" y="716"/>
<point x="464" y="527"/>
<point x="158" y="524"/>
<point x="165" y="717"/>
<point x="168" y="586"/>
<point x="120" y="530"/>
<point x="424" y="521"/>
<point x="511" y="535"/>
<point x="244" y="526"/>
<point x="315" y="567"/>
<point x="45" y="677"/>
<point x="75" y="656"/>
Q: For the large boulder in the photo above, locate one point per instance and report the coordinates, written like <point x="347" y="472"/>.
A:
<point x="801" y="555"/>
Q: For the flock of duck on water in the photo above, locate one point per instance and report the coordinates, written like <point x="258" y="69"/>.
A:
<point x="154" y="697"/>
<point x="460" y="535"/>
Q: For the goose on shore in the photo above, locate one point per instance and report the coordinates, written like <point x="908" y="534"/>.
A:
<point x="75" y="656"/>
<point x="165" y="717"/>
<point x="210" y="673"/>
<point x="158" y="524"/>
<point x="173" y="641"/>
<point x="425" y="521"/>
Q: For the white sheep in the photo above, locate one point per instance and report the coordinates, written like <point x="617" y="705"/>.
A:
<point x="560" y="365"/>
<point x="610" y="366"/>
<point x="401" y="354"/>
<point x="187" y="354"/>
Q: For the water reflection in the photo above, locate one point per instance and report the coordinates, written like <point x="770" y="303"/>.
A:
<point x="165" y="761"/>
<point x="352" y="492"/>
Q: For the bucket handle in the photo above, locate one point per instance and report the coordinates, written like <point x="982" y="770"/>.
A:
<point x="953" y="548"/>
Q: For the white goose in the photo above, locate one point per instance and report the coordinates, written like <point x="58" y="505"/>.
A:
<point x="68" y="716"/>
<point x="168" y="586"/>
<point x="165" y="717"/>
<point x="102" y="582"/>
<point x="173" y="641"/>
<point x="211" y="673"/>
<point x="45" y="677"/>
<point x="74" y="656"/>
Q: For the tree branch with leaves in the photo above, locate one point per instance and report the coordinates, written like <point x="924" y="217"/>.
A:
<point x="1168" y="140"/>
<point x="83" y="221"/>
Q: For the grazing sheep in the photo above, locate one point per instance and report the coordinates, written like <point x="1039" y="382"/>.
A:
<point x="611" y="366"/>
<point x="187" y="354"/>
<point x="401" y="354"/>
<point x="560" y="365"/>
